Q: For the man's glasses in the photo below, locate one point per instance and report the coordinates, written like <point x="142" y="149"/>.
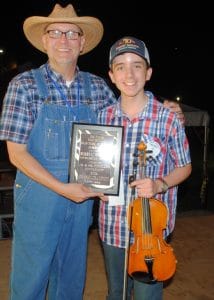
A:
<point x="70" y="34"/>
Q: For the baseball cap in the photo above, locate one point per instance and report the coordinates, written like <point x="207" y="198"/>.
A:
<point x="129" y="44"/>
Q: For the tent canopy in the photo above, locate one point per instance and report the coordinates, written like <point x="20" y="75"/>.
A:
<point x="195" y="116"/>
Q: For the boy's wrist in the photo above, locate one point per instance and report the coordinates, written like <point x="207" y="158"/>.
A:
<point x="163" y="185"/>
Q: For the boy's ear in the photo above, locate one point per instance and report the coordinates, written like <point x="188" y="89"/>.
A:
<point x="149" y="74"/>
<point x="111" y="75"/>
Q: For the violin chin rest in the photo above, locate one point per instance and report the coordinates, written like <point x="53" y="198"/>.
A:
<point x="143" y="277"/>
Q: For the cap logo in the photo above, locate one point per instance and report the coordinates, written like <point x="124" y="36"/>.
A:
<point x="126" y="43"/>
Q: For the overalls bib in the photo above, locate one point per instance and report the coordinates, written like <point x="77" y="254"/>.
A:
<point x="50" y="231"/>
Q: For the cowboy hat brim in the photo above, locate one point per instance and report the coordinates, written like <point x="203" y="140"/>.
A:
<point x="92" y="28"/>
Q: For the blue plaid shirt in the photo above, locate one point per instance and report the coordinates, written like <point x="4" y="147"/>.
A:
<point x="22" y="101"/>
<point x="162" y="132"/>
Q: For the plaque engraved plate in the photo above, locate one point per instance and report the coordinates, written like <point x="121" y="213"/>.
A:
<point x="95" y="157"/>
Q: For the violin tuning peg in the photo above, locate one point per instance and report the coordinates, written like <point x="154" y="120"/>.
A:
<point x="132" y="178"/>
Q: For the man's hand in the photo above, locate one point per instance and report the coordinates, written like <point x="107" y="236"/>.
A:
<point x="78" y="192"/>
<point x="175" y="107"/>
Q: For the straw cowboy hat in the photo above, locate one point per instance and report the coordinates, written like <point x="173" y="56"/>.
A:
<point x="92" y="28"/>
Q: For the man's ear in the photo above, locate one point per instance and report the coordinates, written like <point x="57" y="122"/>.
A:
<point x="44" y="41"/>
<point x="82" y="43"/>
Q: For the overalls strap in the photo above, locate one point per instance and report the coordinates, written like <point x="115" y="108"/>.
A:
<point x="87" y="85"/>
<point x="40" y="82"/>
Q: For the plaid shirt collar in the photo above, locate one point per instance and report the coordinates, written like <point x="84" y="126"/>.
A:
<point x="150" y="111"/>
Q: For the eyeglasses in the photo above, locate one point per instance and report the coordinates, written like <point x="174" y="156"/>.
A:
<point x="70" y="35"/>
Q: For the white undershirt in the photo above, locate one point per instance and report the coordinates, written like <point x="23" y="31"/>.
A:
<point x="68" y="83"/>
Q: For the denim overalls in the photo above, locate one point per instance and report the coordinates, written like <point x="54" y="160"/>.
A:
<point x="50" y="231"/>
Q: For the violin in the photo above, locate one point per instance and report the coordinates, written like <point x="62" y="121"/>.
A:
<point x="150" y="258"/>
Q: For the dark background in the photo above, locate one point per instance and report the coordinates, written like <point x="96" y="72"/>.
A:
<point x="180" y="42"/>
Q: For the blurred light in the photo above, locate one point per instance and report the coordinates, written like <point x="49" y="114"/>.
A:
<point x="107" y="151"/>
<point x="178" y="98"/>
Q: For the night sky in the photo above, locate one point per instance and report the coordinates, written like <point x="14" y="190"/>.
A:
<point x="179" y="41"/>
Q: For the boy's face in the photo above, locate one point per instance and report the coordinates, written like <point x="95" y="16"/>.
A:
<point x="129" y="72"/>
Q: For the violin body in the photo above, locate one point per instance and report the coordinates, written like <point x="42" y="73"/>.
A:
<point x="150" y="258"/>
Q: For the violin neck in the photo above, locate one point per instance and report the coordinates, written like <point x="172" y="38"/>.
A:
<point x="147" y="223"/>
